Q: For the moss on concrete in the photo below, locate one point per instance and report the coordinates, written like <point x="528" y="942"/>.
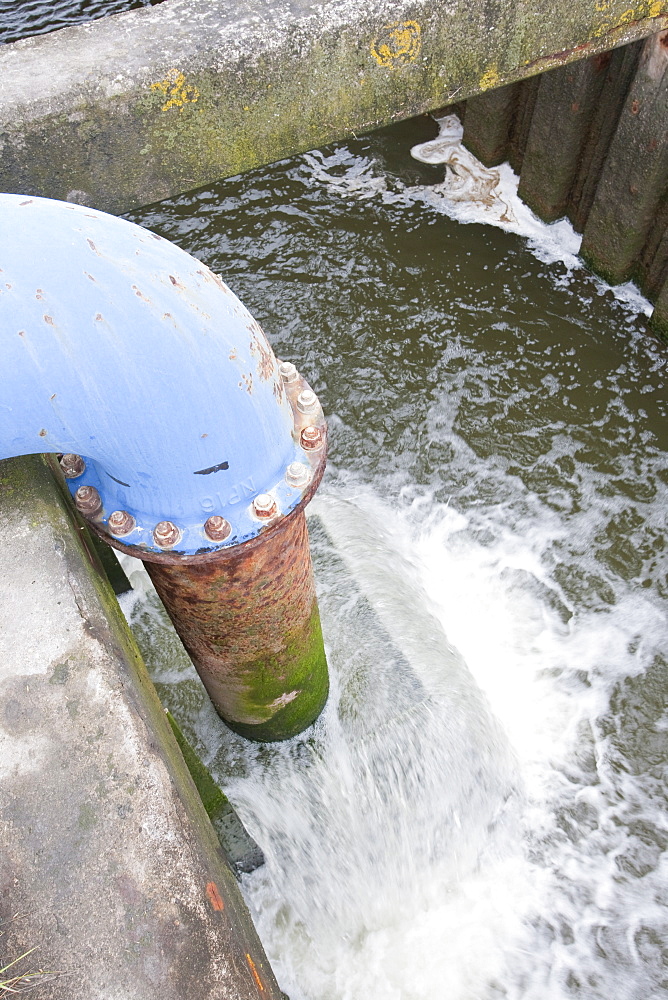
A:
<point x="213" y="799"/>
<point x="659" y="320"/>
<point x="242" y="852"/>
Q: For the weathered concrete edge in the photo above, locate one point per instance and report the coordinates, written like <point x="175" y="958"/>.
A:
<point x="141" y="106"/>
<point x="107" y="852"/>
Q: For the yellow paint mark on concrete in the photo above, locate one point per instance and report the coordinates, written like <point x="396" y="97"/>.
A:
<point x="399" y="45"/>
<point x="657" y="9"/>
<point x="628" y="16"/>
<point x="490" y="79"/>
<point x="602" y="5"/>
<point x="176" y="90"/>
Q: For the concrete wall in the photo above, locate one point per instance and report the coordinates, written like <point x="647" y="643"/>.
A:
<point x="109" y="866"/>
<point x="142" y="105"/>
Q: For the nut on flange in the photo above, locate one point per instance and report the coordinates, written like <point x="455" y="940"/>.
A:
<point x="288" y="371"/>
<point x="88" y="501"/>
<point x="307" y="401"/>
<point x="120" y="523"/>
<point x="166" y="534"/>
<point x="73" y="466"/>
<point x="297" y="474"/>
<point x="311" y="437"/>
<point x="217" y="528"/>
<point x="264" y="506"/>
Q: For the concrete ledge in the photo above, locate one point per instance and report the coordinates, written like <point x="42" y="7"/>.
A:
<point x="109" y="866"/>
<point x="137" y="107"/>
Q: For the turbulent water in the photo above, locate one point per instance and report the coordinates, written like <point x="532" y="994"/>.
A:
<point x="480" y="812"/>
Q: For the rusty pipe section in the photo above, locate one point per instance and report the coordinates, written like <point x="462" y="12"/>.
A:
<point x="247" y="614"/>
<point x="249" y="620"/>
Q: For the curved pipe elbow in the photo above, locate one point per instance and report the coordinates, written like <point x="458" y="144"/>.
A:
<point x="123" y="349"/>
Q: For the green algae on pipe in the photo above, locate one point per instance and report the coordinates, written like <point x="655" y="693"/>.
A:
<point x="143" y="105"/>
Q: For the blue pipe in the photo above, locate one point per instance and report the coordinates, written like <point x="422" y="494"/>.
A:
<point x="121" y="348"/>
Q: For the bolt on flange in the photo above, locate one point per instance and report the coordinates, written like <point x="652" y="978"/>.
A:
<point x="264" y="506"/>
<point x="73" y="466"/>
<point x="166" y="534"/>
<point x="311" y="437"/>
<point x="288" y="371"/>
<point x="120" y="522"/>
<point x="88" y="501"/>
<point x="216" y="528"/>
<point x="307" y="401"/>
<point x="297" y="474"/>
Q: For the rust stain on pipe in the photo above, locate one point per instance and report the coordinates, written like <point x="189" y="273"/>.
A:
<point x="249" y="619"/>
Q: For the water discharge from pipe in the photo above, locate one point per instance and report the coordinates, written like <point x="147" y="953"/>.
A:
<point x="478" y="813"/>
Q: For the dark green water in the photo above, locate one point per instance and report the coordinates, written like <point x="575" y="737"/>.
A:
<point x="498" y="474"/>
<point x="23" y="18"/>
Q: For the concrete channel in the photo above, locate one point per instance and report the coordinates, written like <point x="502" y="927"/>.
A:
<point x="110" y="867"/>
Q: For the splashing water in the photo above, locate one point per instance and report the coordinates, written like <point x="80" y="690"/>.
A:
<point x="480" y="812"/>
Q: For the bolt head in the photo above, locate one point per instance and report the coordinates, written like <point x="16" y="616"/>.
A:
<point x="311" y="437"/>
<point x="217" y="528"/>
<point x="297" y="474"/>
<point x="307" y="401"/>
<point x="288" y="371"/>
<point x="87" y="500"/>
<point x="166" y="534"/>
<point x="72" y="466"/>
<point x="120" y="522"/>
<point x="264" y="505"/>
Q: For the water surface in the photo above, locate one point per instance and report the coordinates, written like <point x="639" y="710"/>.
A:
<point x="480" y="812"/>
<point x="23" y="18"/>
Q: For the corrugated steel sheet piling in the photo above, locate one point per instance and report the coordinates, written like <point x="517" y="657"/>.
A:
<point x="589" y="141"/>
<point x="633" y="179"/>
<point x="184" y="443"/>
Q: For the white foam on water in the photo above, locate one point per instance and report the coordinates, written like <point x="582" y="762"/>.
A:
<point x="469" y="193"/>
<point x="525" y="897"/>
<point x="393" y="854"/>
<point x="550" y="883"/>
<point x="461" y="822"/>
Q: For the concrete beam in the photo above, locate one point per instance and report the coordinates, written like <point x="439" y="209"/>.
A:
<point x="137" y="107"/>
<point x="109" y="866"/>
